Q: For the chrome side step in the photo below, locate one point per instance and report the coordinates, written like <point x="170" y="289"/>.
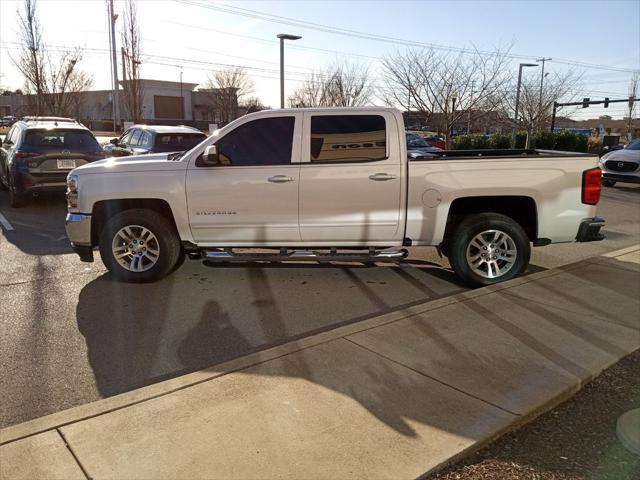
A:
<point x="285" y="255"/>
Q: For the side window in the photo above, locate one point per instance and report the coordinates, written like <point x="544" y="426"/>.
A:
<point x="348" y="138"/>
<point x="135" y="138"/>
<point x="267" y="141"/>
<point x="146" y="139"/>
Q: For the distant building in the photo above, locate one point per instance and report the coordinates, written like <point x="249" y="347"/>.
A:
<point x="163" y="101"/>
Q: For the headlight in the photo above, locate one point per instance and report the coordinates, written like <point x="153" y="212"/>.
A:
<point x="72" y="192"/>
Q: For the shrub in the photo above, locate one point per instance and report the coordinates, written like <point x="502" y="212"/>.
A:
<point x="594" y="145"/>
<point x="500" y="140"/>
<point x="566" y="141"/>
<point x="582" y="143"/>
<point x="462" y="142"/>
<point x="521" y="139"/>
<point x="544" y="140"/>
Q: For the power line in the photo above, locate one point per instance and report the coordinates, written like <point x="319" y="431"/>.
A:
<point x="235" y="10"/>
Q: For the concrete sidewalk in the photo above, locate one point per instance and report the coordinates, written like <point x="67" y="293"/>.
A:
<point x="394" y="396"/>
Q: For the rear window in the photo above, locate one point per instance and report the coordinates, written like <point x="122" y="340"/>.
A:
<point x="178" y="141"/>
<point x="72" y="140"/>
<point x="348" y="138"/>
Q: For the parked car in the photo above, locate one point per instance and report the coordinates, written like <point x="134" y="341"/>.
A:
<point x="142" y="139"/>
<point x="7" y="121"/>
<point x="36" y="156"/>
<point x="432" y="139"/>
<point x="418" y="147"/>
<point x="621" y="165"/>
<point x="312" y="183"/>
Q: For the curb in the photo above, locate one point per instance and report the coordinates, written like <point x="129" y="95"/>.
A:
<point x="127" y="399"/>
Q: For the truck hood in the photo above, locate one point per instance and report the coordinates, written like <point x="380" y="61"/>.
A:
<point x="133" y="163"/>
<point x="623" y="155"/>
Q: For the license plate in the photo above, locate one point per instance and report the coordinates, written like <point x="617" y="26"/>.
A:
<point x="66" y="164"/>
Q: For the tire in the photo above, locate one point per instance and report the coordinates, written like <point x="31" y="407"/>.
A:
<point x="16" y="200"/>
<point x="608" y="183"/>
<point x="149" y="232"/>
<point x="473" y="242"/>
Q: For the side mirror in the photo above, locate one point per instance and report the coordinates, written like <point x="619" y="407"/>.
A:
<point x="8" y="143"/>
<point x="114" y="141"/>
<point x="210" y="156"/>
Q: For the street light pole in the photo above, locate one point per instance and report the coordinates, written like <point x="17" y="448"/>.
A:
<point x="283" y="37"/>
<point x="515" y="118"/>
<point x="116" y="102"/>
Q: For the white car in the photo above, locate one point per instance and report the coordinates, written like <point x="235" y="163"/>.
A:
<point x="621" y="165"/>
<point x="329" y="184"/>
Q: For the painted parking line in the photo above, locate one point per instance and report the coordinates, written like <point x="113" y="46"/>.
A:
<point x="5" y="223"/>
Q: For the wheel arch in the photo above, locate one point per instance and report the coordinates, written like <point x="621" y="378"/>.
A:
<point x="105" y="209"/>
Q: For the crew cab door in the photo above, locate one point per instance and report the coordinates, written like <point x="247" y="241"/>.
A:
<point x="351" y="183"/>
<point x="251" y="196"/>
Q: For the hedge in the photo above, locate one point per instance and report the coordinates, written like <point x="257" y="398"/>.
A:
<point x="565" y="140"/>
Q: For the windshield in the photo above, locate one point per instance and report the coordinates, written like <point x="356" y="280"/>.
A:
<point x="416" y="141"/>
<point x="52" y="140"/>
<point x="171" y="142"/>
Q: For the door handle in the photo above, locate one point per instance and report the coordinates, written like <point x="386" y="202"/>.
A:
<point x="381" y="177"/>
<point x="280" y="179"/>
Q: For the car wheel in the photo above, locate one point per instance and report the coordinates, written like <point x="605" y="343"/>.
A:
<point x="488" y="248"/>
<point x="139" y="245"/>
<point x="16" y="200"/>
<point x="608" y="183"/>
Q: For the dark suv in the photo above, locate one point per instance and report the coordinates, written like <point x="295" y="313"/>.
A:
<point x="141" y="139"/>
<point x="38" y="153"/>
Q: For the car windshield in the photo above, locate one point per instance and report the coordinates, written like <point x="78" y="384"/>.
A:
<point x="60" y="139"/>
<point x="635" y="145"/>
<point x="171" y="142"/>
<point x="416" y="141"/>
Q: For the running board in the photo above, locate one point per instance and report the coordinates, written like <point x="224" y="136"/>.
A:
<point x="289" y="255"/>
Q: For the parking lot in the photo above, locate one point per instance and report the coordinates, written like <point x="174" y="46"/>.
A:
<point x="70" y="335"/>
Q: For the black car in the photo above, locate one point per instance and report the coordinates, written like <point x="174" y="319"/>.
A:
<point x="418" y="147"/>
<point x="36" y="155"/>
<point x="141" y="139"/>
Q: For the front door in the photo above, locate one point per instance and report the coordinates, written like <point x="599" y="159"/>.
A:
<point x="251" y="197"/>
<point x="350" y="180"/>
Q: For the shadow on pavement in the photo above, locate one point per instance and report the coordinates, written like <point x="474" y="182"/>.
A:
<point x="39" y="225"/>
<point x="138" y="334"/>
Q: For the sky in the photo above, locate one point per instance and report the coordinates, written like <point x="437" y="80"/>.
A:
<point x="198" y="36"/>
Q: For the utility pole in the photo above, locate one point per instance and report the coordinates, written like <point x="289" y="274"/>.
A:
<point x="633" y="90"/>
<point x="116" y="101"/>
<point x="543" y="59"/>
<point x="283" y="37"/>
<point x="181" y="97"/>
<point x="469" y="109"/>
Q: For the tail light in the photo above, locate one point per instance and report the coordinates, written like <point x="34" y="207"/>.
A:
<point x="591" y="186"/>
<point x="23" y="154"/>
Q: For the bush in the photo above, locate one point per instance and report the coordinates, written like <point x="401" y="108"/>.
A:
<point x="582" y="143"/>
<point x="543" y="140"/>
<point x="521" y="139"/>
<point x="462" y="142"/>
<point x="500" y="140"/>
<point x="594" y="145"/>
<point x="566" y="141"/>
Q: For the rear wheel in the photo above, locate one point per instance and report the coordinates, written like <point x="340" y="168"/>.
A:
<point x="16" y="200"/>
<point x="488" y="248"/>
<point x="139" y="245"/>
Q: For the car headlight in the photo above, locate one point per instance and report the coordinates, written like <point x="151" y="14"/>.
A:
<point x="72" y="192"/>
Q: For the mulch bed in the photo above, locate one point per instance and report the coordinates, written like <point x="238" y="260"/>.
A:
<point x="574" y="441"/>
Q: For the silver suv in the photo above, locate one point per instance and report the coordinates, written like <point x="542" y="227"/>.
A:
<point x="621" y="165"/>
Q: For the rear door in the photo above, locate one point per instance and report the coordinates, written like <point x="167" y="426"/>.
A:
<point x="350" y="179"/>
<point x="251" y="197"/>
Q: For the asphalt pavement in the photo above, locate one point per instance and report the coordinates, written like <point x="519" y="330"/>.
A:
<point x="70" y="335"/>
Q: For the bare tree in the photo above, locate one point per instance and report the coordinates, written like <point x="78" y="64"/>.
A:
<point x="56" y="84"/>
<point x="444" y="87"/>
<point x="131" y="61"/>
<point x="225" y="88"/>
<point x="340" y="85"/>
<point x="535" y="105"/>
<point x="252" y="104"/>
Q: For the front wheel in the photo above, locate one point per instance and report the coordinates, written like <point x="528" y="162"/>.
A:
<point x="488" y="248"/>
<point x="139" y="245"/>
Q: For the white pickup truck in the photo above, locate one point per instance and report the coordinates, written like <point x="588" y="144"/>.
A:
<point x="327" y="185"/>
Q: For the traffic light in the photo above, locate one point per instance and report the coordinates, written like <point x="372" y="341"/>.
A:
<point x="585" y="102"/>
<point x="606" y="102"/>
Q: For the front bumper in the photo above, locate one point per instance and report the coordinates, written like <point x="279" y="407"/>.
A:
<point x="621" y="177"/>
<point x="589" y="230"/>
<point x="78" y="227"/>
